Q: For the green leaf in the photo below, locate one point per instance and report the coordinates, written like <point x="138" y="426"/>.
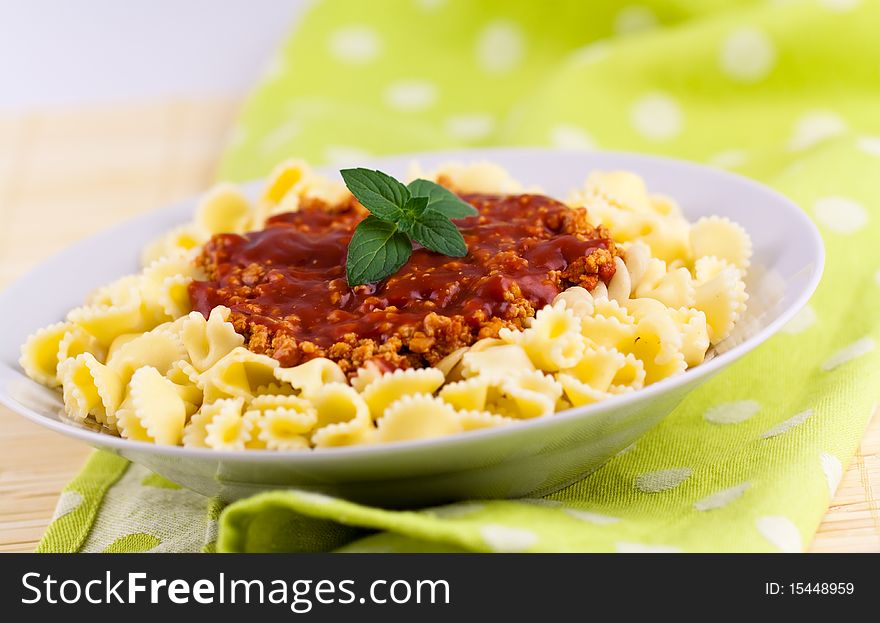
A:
<point x="378" y="192"/>
<point x="436" y="232"/>
<point x="377" y="250"/>
<point x="441" y="200"/>
<point x="412" y="212"/>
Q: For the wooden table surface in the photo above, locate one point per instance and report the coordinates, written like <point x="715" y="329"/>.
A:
<point x="67" y="174"/>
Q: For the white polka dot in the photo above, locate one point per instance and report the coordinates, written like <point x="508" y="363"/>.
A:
<point x="722" y="498"/>
<point x="833" y="470"/>
<point x="411" y="95"/>
<point x="815" y="127"/>
<point x="729" y="159"/>
<point x="870" y="145"/>
<point x="732" y="412"/>
<point x="780" y="532"/>
<point x="747" y="55"/>
<point x="625" y="547"/>
<point x="500" y="47"/>
<point x="356" y="44"/>
<point x="801" y="321"/>
<point x="345" y="154"/>
<point x="592" y="53"/>
<point x="281" y="137"/>
<point x="590" y="517"/>
<point x="855" y="350"/>
<point x="657" y="117"/>
<point x="457" y="510"/>
<point x="634" y="19"/>
<point x="662" y="480"/>
<point x="505" y="539"/>
<point x="68" y="502"/>
<point x="568" y="136"/>
<point x="841" y="6"/>
<point x="788" y="424"/>
<point x="840" y="215"/>
<point x="470" y="127"/>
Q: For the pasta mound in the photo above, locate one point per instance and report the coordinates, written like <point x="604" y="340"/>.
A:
<point x="230" y="340"/>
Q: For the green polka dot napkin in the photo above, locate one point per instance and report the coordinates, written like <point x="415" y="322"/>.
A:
<point x="785" y="92"/>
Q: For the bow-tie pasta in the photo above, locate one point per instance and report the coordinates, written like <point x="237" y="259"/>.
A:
<point x="633" y="294"/>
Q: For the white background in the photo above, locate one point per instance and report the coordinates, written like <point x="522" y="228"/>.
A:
<point x="70" y="52"/>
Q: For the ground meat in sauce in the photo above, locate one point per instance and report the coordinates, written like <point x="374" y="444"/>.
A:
<point x="289" y="297"/>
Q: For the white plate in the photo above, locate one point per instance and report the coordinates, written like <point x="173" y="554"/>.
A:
<point x="529" y="458"/>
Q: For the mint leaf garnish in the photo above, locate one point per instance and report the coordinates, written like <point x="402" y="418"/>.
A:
<point x="377" y="249"/>
<point x="399" y="215"/>
<point x="440" y="199"/>
<point x="378" y="192"/>
<point x="437" y="233"/>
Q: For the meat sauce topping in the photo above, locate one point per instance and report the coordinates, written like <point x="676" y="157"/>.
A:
<point x="289" y="297"/>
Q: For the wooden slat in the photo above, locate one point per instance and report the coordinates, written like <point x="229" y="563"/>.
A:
<point x="67" y="174"/>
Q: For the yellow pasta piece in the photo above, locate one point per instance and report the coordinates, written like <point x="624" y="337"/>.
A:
<point x="106" y="322"/>
<point x="622" y="189"/>
<point x="224" y="209"/>
<point x="157" y="406"/>
<point x="673" y="289"/>
<point x="157" y="349"/>
<point x="228" y="430"/>
<point x="657" y="342"/>
<point x="208" y="341"/>
<point x="580" y="393"/>
<point x="40" y="353"/>
<point x="393" y="385"/>
<point x="238" y="374"/>
<point x="450" y="361"/>
<point x="602" y="368"/>
<point x="353" y="432"/>
<point x="90" y="388"/>
<point x="311" y="376"/>
<point x="475" y="177"/>
<point x="639" y="308"/>
<point x="576" y="299"/>
<point x="721" y="237"/>
<point x="553" y="340"/>
<point x="476" y="420"/>
<point x="186" y="382"/>
<point x="183" y="238"/>
<point x="694" y="333"/>
<point x="275" y="389"/>
<point x="366" y="374"/>
<point x="281" y="422"/>
<point x="118" y="292"/>
<point x="469" y="395"/>
<point x="195" y="433"/>
<point x="339" y="402"/>
<point x="418" y="416"/>
<point x="78" y="341"/>
<point x="721" y="298"/>
<point x="527" y="396"/>
<point x="164" y="285"/>
<point x="608" y="331"/>
<point x="496" y="362"/>
<point x="620" y="286"/>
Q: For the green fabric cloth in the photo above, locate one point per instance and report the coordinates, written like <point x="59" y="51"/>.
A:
<point x="785" y="92"/>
